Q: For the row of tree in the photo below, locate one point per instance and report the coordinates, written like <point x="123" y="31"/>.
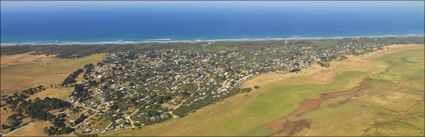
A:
<point x="21" y="95"/>
<point x="71" y="77"/>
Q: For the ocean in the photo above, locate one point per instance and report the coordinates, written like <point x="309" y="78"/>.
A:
<point x="126" y="21"/>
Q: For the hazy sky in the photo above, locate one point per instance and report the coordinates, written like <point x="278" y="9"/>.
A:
<point x="43" y="4"/>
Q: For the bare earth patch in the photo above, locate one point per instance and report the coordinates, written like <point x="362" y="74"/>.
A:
<point x="291" y="127"/>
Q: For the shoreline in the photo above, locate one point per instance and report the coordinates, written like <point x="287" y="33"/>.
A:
<point x="165" y="40"/>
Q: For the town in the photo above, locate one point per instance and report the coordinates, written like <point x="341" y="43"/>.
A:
<point x="135" y="88"/>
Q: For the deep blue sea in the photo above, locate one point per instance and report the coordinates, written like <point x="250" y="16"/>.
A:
<point x="77" y="21"/>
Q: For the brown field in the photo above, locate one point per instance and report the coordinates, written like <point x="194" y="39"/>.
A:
<point x="4" y="114"/>
<point x="25" y="71"/>
<point x="59" y="93"/>
<point x="24" y="58"/>
<point x="35" y="128"/>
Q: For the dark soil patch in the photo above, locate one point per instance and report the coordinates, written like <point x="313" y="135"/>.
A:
<point x="312" y="104"/>
<point x="291" y="127"/>
<point x="284" y="127"/>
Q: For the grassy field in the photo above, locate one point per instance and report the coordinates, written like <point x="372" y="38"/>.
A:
<point x="18" y="73"/>
<point x="59" y="93"/>
<point x="380" y="93"/>
<point x="32" y="129"/>
<point x="392" y="105"/>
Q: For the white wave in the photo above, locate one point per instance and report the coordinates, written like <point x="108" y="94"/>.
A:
<point x="160" y="39"/>
<point x="168" y="40"/>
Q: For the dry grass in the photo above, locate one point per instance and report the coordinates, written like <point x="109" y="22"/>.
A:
<point x="24" y="58"/>
<point x="4" y="114"/>
<point x="59" y="93"/>
<point x="30" y="74"/>
<point x="390" y="98"/>
<point x="32" y="129"/>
